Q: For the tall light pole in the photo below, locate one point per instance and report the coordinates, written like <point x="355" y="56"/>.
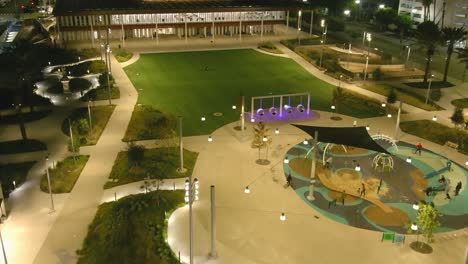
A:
<point x="369" y="39"/>
<point x="213" y="253"/>
<point x="299" y="19"/>
<point x="407" y="55"/>
<point x="365" y="69"/>
<point x="322" y="41"/>
<point x="3" y="249"/>
<point x="429" y="88"/>
<point x="181" y="148"/>
<point x="358" y="3"/>
<point x="108" y="71"/>
<point x="191" y="194"/>
<point x="71" y="138"/>
<point x="310" y="196"/>
<point x="89" y="116"/>
<point x="311" y="22"/>
<point x="397" y="127"/>
<point x="52" y="207"/>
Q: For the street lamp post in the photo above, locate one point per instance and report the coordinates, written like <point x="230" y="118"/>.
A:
<point x="71" y="138"/>
<point x="369" y="39"/>
<point x="429" y="88"/>
<point x="322" y="41"/>
<point x="213" y="253"/>
<point x="89" y="116"/>
<point x="52" y="207"/>
<point x="365" y="69"/>
<point x="191" y="195"/>
<point x="181" y="169"/>
<point x="397" y="127"/>
<point x="3" y="249"/>
<point x="407" y="55"/>
<point x="299" y="20"/>
<point x="108" y="71"/>
<point x="310" y="196"/>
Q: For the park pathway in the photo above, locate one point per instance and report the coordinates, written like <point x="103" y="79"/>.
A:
<point x="70" y="228"/>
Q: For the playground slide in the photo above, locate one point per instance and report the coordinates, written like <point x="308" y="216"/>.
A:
<point x="434" y="173"/>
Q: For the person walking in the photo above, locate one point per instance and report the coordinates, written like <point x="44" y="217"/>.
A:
<point x="328" y="162"/>
<point x="343" y="197"/>
<point x="447" y="192"/>
<point x="363" y="189"/>
<point x="288" y="180"/>
<point x="418" y="149"/>
<point x="458" y="188"/>
<point x="378" y="187"/>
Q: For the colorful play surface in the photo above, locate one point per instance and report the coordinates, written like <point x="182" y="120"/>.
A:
<point x="387" y="204"/>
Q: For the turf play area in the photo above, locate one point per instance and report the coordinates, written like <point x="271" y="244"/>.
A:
<point x="209" y="83"/>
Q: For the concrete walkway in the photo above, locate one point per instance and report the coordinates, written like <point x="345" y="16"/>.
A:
<point x="70" y="228"/>
<point x="248" y="226"/>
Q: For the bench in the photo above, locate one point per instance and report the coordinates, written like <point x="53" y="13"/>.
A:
<point x="450" y="144"/>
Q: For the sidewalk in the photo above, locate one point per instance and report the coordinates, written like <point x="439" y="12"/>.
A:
<point x="70" y="228"/>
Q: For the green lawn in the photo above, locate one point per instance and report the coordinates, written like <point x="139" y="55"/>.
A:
<point x="405" y="95"/>
<point x="20" y="146"/>
<point x="65" y="174"/>
<point x="132" y="230"/>
<point x="436" y="133"/>
<point x="16" y="172"/>
<point x="461" y="103"/>
<point x="122" y="55"/>
<point x="158" y="163"/>
<point x="196" y="84"/>
<point x="82" y="133"/>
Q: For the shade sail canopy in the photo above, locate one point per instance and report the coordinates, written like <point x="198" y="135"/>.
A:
<point x="349" y="136"/>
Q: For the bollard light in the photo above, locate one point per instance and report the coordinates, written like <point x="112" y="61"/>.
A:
<point x="389" y="115"/>
<point x="408" y="159"/>
<point x="414" y="227"/>
<point x="357" y="168"/>
<point x="286" y="160"/>
<point x="252" y="120"/>
<point x="434" y="118"/>
<point x="306" y="142"/>
<point x="234" y="107"/>
<point x="416" y="206"/>
<point x="203" y="118"/>
<point x="276" y="131"/>
<point x="367" y="127"/>
<point x="247" y="190"/>
<point x="283" y="217"/>
<point x="210" y="139"/>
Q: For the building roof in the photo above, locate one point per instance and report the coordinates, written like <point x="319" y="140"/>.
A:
<point x="80" y="7"/>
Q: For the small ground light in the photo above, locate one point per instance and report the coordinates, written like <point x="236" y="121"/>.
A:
<point x="408" y="159"/>
<point x="414" y="227"/>
<point x="466" y="163"/>
<point x="357" y="168"/>
<point x="247" y="190"/>
<point x="210" y="139"/>
<point x="277" y="131"/>
<point x="265" y="139"/>
<point x="252" y="120"/>
<point x="305" y="142"/>
<point x="234" y="107"/>
<point x="203" y="118"/>
<point x="434" y="118"/>
<point x="286" y="160"/>
<point x="14" y="184"/>
<point x="367" y="127"/>
<point x="333" y="107"/>
<point x="283" y="217"/>
<point x="389" y="115"/>
<point x="384" y="105"/>
<point x="416" y="206"/>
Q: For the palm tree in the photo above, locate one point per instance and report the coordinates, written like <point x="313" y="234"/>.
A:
<point x="451" y="35"/>
<point x="463" y="58"/>
<point x="426" y="4"/>
<point x="428" y="34"/>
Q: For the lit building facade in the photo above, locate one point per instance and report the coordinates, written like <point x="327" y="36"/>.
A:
<point x="454" y="13"/>
<point x="84" y="20"/>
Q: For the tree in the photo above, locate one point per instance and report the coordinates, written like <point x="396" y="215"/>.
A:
<point x="428" y="34"/>
<point x="338" y="96"/>
<point x="436" y="94"/>
<point x="427" y="220"/>
<point x="392" y="97"/>
<point x="136" y="153"/>
<point x="385" y="16"/>
<point x="451" y="35"/>
<point x="458" y="117"/>
<point x="403" y="22"/>
<point x="463" y="58"/>
<point x="426" y="4"/>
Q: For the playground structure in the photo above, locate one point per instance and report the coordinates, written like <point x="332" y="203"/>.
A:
<point x="276" y="111"/>
<point x="386" y="138"/>
<point x="382" y="162"/>
<point x="438" y="172"/>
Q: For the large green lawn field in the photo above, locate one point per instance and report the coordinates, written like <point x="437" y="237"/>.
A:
<point x="196" y="84"/>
